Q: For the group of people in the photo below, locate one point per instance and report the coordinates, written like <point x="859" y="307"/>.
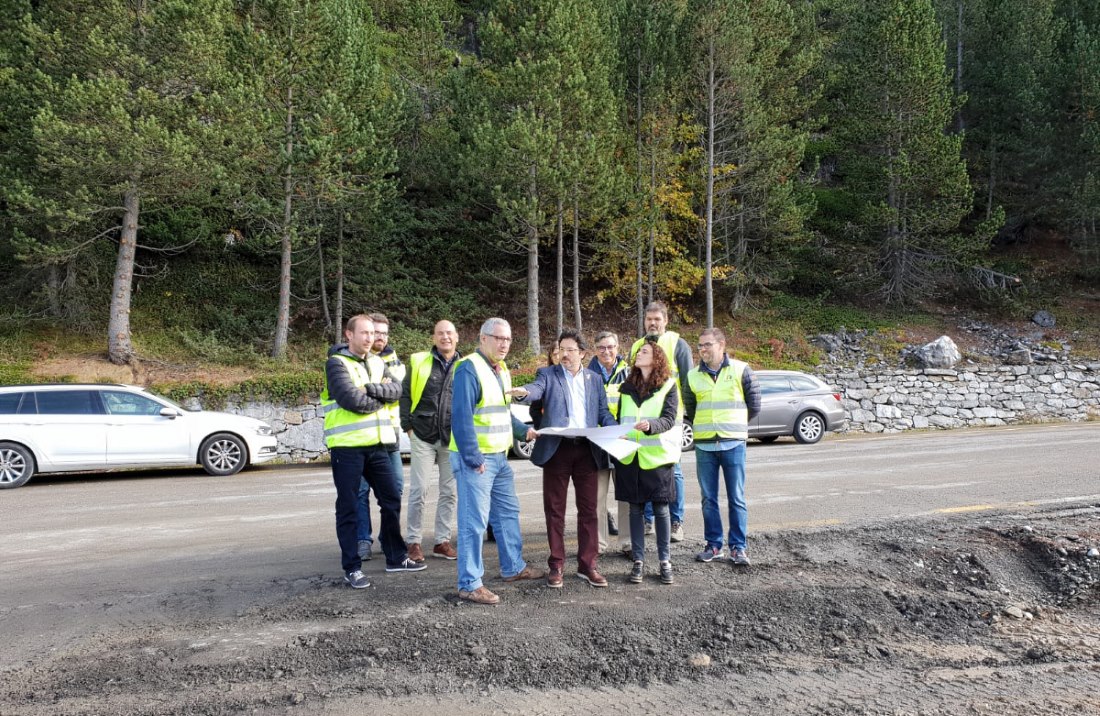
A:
<point x="456" y="411"/>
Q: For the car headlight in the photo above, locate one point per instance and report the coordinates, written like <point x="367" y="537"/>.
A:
<point x="264" y="430"/>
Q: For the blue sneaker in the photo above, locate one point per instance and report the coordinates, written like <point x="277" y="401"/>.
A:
<point x="357" y="580"/>
<point x="709" y="554"/>
<point x="739" y="558"/>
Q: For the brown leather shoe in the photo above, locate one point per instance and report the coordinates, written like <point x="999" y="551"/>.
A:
<point x="444" y="550"/>
<point x="415" y="553"/>
<point x="481" y="595"/>
<point x="594" y="578"/>
<point x="527" y="573"/>
<point x="554" y="579"/>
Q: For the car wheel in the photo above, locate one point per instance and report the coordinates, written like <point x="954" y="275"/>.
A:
<point x="523" y="448"/>
<point x="768" y="438"/>
<point x="16" y="465"/>
<point x="809" y="428"/>
<point x="687" y="438"/>
<point x="223" y="454"/>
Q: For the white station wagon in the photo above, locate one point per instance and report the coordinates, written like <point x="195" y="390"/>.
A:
<point x="72" y="427"/>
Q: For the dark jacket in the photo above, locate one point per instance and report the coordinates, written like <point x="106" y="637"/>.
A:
<point x="371" y="398"/>
<point x="550" y="388"/>
<point x="632" y="483"/>
<point x="749" y="385"/>
<point x="425" y="420"/>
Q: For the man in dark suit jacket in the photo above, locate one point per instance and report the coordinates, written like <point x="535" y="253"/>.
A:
<point x="572" y="397"/>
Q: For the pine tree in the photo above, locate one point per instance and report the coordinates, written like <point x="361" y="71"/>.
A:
<point x="126" y="122"/>
<point x="893" y="107"/>
<point x="753" y="63"/>
<point x="323" y="125"/>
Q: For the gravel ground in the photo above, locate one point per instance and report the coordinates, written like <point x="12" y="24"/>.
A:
<point x="960" y="615"/>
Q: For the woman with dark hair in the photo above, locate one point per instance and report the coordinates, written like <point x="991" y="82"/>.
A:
<point x="648" y="401"/>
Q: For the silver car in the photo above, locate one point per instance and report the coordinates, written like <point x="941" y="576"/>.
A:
<point x="792" y="403"/>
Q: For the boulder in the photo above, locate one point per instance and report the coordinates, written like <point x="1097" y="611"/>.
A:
<point x="1018" y="356"/>
<point x="940" y="353"/>
<point x="1043" y="319"/>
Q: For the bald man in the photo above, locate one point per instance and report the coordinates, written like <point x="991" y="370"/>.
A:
<point x="425" y="415"/>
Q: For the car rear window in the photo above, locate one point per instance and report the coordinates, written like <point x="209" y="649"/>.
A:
<point x="801" y="383"/>
<point x="9" y="403"/>
<point x="68" y="402"/>
<point x="773" y="384"/>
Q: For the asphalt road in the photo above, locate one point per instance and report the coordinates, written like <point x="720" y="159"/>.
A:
<point x="88" y="552"/>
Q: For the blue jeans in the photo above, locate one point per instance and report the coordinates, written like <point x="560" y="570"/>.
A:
<point x="365" y="530"/>
<point x="732" y="464"/>
<point x="486" y="498"/>
<point x="675" y="509"/>
<point x="350" y="466"/>
<point x="637" y="531"/>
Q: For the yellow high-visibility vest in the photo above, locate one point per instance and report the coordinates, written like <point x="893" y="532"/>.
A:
<point x="346" y="428"/>
<point x="397" y="371"/>
<point x="492" y="415"/>
<point x="720" y="404"/>
<point x="655" y="450"/>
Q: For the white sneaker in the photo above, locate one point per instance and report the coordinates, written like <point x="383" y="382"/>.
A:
<point x="677" y="533"/>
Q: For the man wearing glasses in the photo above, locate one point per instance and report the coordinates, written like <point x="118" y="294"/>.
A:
<point x="381" y="347"/>
<point x="482" y="429"/>
<point x="721" y="396"/>
<point x="612" y="370"/>
<point x="572" y="397"/>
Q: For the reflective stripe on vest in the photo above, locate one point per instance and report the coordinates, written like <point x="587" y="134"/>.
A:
<point x="655" y="450"/>
<point x="492" y="416"/>
<point x="420" y="370"/>
<point x="346" y="428"/>
<point x="720" y="404"/>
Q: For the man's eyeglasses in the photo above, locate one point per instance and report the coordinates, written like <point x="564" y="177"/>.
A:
<point x="706" y="345"/>
<point x="605" y="349"/>
<point x="499" y="339"/>
<point x="381" y="333"/>
<point x="570" y="351"/>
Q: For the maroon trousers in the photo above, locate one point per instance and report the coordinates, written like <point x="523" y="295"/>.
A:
<point x="573" y="458"/>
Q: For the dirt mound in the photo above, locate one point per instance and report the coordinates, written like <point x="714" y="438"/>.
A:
<point x="934" y="616"/>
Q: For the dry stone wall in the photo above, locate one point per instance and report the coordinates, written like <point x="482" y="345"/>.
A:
<point x="896" y="400"/>
<point x="878" y="401"/>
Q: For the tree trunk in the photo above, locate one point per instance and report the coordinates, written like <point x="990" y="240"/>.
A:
<point x="560" y="267"/>
<point x="652" y="220"/>
<point x="282" y="319"/>
<point x="120" y="349"/>
<point x="324" y="286"/>
<point x="339" y="310"/>
<point x="708" y="221"/>
<point x="640" y="287"/>
<point x="577" y="320"/>
<point x="992" y="179"/>
<point x="960" y="123"/>
<point x="533" y="342"/>
<point x="53" y="290"/>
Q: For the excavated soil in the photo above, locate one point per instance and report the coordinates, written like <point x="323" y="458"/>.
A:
<point x="958" y="615"/>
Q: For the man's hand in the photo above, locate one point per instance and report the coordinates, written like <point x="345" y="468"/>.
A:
<point x="642" y="425"/>
<point x="531" y="434"/>
<point x="480" y="469"/>
<point x="518" y="392"/>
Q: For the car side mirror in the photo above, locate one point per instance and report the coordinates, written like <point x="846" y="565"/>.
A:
<point x="169" y="413"/>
